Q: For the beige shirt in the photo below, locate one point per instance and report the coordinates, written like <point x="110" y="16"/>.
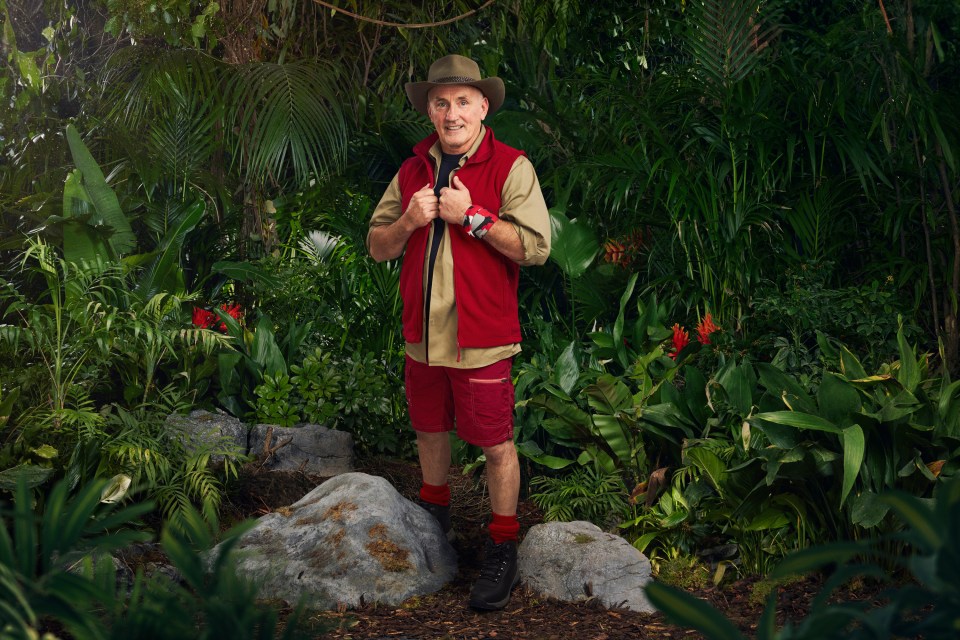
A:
<point x="522" y="205"/>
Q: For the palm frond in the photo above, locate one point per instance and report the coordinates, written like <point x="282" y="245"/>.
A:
<point x="289" y="120"/>
<point x="729" y="37"/>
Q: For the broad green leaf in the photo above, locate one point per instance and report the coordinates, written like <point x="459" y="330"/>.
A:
<point x="736" y="381"/>
<point x="567" y="371"/>
<point x="850" y="366"/>
<point x="909" y="372"/>
<point x="785" y="387"/>
<point x="618" y="323"/>
<point x="867" y="510"/>
<point x="695" y="395"/>
<point x="609" y="395"/>
<point x="854" y="447"/>
<point x="688" y="611"/>
<point x="165" y="273"/>
<point x="614" y="436"/>
<point x="530" y="450"/>
<point x="573" y="245"/>
<point x="264" y="350"/>
<point x="122" y="239"/>
<point x="948" y="411"/>
<point x="798" y="420"/>
<point x="838" y="399"/>
<point x="710" y="465"/>
<point x="769" y="518"/>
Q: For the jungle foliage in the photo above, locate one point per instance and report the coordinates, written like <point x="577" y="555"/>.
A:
<point x="745" y="338"/>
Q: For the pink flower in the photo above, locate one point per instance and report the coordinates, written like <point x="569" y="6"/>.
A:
<point x="680" y="339"/>
<point x="705" y="327"/>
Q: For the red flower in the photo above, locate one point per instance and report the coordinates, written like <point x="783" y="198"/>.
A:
<point x="680" y="339"/>
<point x="232" y="310"/>
<point x="705" y="327"/>
<point x="202" y="318"/>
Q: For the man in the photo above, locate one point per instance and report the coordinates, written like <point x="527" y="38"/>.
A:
<point x="465" y="212"/>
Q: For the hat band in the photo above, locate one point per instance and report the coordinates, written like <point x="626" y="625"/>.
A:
<point x="454" y="79"/>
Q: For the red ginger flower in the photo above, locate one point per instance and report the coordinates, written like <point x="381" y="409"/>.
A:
<point x="202" y="318"/>
<point x="232" y="310"/>
<point x="705" y="327"/>
<point x="680" y="339"/>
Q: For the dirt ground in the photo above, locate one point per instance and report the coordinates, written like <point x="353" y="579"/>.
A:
<point x="445" y="614"/>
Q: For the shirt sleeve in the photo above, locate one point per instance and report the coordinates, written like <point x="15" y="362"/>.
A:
<point x="388" y="210"/>
<point x="523" y="206"/>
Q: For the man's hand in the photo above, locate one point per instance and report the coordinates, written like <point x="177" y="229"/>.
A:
<point x="454" y="201"/>
<point x="423" y="207"/>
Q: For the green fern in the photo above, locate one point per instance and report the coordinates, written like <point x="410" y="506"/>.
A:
<point x="584" y="494"/>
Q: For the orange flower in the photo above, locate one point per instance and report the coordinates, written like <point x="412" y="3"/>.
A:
<point x="613" y="252"/>
<point x="705" y="327"/>
<point x="680" y="339"/>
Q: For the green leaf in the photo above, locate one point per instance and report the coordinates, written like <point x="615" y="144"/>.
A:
<point x="710" y="465"/>
<point x="122" y="239"/>
<point x="850" y="366"/>
<point x="909" y="372"/>
<point x="948" y="411"/>
<point x="867" y="510"/>
<point x="609" y="395"/>
<point x="785" y="387"/>
<point x="798" y="420"/>
<point x="573" y="245"/>
<point x="245" y="272"/>
<point x="688" y="611"/>
<point x="854" y="448"/>
<point x="567" y="371"/>
<point x="615" y="437"/>
<point x="838" y="399"/>
<point x="165" y="274"/>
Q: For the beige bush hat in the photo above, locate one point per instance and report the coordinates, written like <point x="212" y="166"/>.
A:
<point x="454" y="69"/>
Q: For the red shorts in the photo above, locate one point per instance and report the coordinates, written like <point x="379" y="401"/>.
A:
<point x="481" y="400"/>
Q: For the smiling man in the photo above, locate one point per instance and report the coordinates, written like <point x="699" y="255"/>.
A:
<point x="465" y="212"/>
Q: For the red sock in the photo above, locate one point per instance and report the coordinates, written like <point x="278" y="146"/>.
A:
<point x="504" y="528"/>
<point x="435" y="494"/>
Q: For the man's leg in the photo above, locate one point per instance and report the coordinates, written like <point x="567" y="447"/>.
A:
<point x="503" y="477"/>
<point x="434" y="450"/>
<point x="430" y="404"/>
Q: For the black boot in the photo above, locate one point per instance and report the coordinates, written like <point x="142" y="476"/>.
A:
<point x="442" y="515"/>
<point x="498" y="576"/>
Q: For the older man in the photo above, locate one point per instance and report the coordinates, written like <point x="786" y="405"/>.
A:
<point x="465" y="212"/>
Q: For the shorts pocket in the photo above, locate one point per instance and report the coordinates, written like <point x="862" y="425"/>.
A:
<point x="492" y="402"/>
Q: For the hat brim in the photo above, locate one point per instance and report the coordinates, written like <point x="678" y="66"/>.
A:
<point x="491" y="87"/>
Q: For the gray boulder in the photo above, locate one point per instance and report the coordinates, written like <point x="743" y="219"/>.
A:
<point x="201" y="429"/>
<point x="576" y="561"/>
<point x="352" y="540"/>
<point x="312" y="448"/>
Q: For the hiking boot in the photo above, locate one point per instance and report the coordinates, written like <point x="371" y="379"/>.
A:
<point x="441" y="514"/>
<point x="498" y="576"/>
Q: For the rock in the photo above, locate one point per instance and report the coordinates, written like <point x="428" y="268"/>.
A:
<point x="313" y="449"/>
<point x="352" y="540"/>
<point x="574" y="561"/>
<point x="202" y="429"/>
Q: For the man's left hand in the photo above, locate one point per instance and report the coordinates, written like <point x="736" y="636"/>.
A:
<point x="454" y="201"/>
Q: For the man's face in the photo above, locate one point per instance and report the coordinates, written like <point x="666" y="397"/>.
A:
<point x="456" y="112"/>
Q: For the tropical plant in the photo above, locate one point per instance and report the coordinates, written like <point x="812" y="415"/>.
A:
<point x="586" y="493"/>
<point x="55" y="569"/>
<point x="927" y="605"/>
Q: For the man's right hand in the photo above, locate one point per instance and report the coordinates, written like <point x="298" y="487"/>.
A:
<point x="423" y="207"/>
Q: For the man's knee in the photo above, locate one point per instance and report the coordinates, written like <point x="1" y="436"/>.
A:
<point x="500" y="454"/>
